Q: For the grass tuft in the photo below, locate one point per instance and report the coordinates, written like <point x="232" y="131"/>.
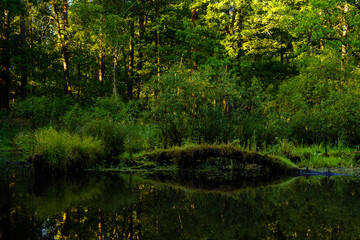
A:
<point x="62" y="149"/>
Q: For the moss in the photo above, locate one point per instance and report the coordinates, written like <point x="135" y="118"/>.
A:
<point x="194" y="155"/>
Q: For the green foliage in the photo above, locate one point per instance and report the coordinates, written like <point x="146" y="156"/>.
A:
<point x="250" y="72"/>
<point x="252" y="115"/>
<point x="141" y="137"/>
<point x="108" y="131"/>
<point x="321" y="104"/>
<point x="121" y="126"/>
<point x="62" y="149"/>
<point x="194" y="106"/>
<point x="103" y="108"/>
<point x="9" y="128"/>
<point x="42" y="111"/>
<point x="316" y="155"/>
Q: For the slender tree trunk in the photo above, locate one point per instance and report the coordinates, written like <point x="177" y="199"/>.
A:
<point x="79" y="73"/>
<point x="66" y="49"/>
<point x="116" y="56"/>
<point x="24" y="57"/>
<point x="126" y="73"/>
<point x="79" y="80"/>
<point x="31" y="43"/>
<point x="194" y="18"/>
<point x="63" y="38"/>
<point x="101" y="54"/>
<point x="158" y="37"/>
<point x="131" y="61"/>
<point x="140" y="54"/>
<point x="31" y="35"/>
<point x="344" y="31"/>
<point x="281" y="49"/>
<point x="5" y="63"/>
<point x="101" y="63"/>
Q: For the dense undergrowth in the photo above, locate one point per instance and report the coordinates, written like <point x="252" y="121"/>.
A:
<point x="311" y="119"/>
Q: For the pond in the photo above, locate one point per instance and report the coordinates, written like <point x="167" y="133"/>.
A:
<point x="176" y="205"/>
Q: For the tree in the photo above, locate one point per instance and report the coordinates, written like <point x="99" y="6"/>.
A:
<point x="5" y="60"/>
<point x="60" y="16"/>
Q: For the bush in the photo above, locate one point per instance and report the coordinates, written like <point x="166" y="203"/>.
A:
<point x="193" y="106"/>
<point x="108" y="131"/>
<point x="321" y="104"/>
<point x="105" y="108"/>
<point x="62" y="149"/>
<point x="140" y="137"/>
<point x="41" y="111"/>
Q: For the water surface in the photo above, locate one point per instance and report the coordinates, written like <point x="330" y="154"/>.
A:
<point x="176" y="205"/>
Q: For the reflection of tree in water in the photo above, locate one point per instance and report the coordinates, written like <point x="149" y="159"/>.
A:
<point x="110" y="206"/>
<point x="17" y="220"/>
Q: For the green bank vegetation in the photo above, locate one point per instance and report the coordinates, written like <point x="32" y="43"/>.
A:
<point x="277" y="77"/>
<point x="224" y="156"/>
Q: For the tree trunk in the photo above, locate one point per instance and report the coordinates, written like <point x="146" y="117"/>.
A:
<point x="101" y="63"/>
<point x="344" y="31"/>
<point x="126" y="73"/>
<point x="65" y="48"/>
<point x="116" y="55"/>
<point x="101" y="54"/>
<point x="63" y="38"/>
<point x="31" y="35"/>
<point x="23" y="89"/>
<point x="131" y="61"/>
<point x="31" y="43"/>
<point x="194" y="18"/>
<point x="158" y="37"/>
<point x="140" y="54"/>
<point x="5" y="63"/>
<point x="79" y="73"/>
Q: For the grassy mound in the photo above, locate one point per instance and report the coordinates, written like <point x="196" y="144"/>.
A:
<point x="196" y="155"/>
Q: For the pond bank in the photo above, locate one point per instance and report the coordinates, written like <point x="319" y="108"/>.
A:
<point x="211" y="156"/>
<point x="224" y="155"/>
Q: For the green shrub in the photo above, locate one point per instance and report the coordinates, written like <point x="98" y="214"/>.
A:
<point x="41" y="111"/>
<point x="104" y="108"/>
<point x="75" y="117"/>
<point x="322" y="104"/>
<point x="194" y="106"/>
<point x="9" y="128"/>
<point x="62" y="149"/>
<point x="108" y="131"/>
<point x="141" y="137"/>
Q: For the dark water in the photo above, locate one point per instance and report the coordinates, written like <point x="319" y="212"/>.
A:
<point x="176" y="205"/>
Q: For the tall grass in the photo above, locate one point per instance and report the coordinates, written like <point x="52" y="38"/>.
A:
<point x="317" y="155"/>
<point x="109" y="131"/>
<point x="62" y="149"/>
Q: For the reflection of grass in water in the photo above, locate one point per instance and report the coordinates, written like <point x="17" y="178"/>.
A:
<point x="97" y="192"/>
<point x="57" y="200"/>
